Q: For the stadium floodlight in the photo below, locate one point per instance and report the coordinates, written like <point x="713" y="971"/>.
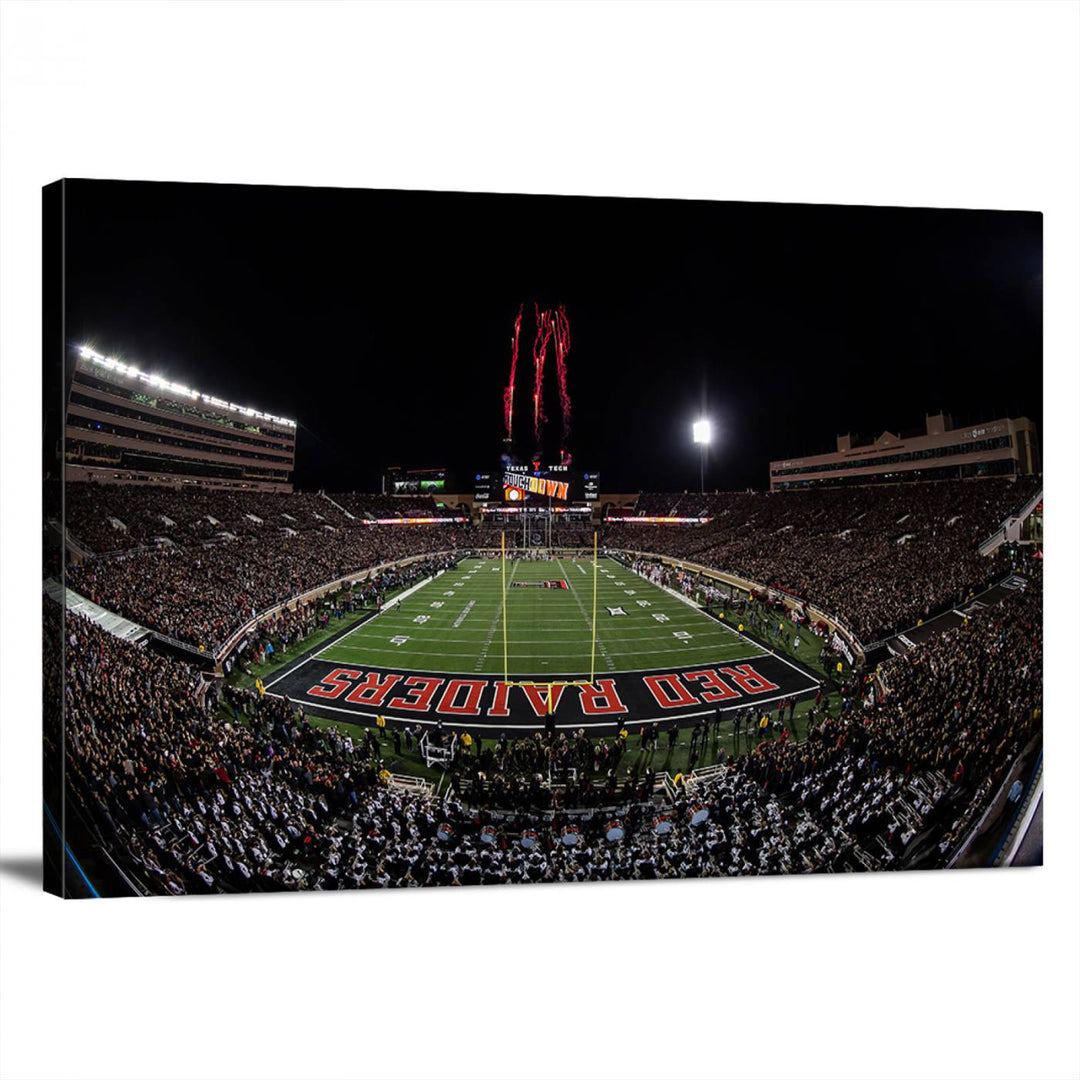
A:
<point x="160" y="383"/>
<point x="702" y="436"/>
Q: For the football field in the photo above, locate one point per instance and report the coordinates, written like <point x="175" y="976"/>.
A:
<point x="455" y="623"/>
<point x="470" y="648"/>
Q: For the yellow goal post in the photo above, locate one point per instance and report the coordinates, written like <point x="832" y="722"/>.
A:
<point x="592" y="650"/>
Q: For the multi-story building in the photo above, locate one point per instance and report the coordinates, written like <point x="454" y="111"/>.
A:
<point x="942" y="452"/>
<point x="125" y="426"/>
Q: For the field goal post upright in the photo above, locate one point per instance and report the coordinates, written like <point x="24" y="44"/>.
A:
<point x="595" y="581"/>
<point x="549" y="697"/>
<point x="506" y="650"/>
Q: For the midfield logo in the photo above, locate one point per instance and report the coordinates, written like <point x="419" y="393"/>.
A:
<point x="560" y="583"/>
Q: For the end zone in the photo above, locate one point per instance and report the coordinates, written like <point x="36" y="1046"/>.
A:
<point x="683" y="695"/>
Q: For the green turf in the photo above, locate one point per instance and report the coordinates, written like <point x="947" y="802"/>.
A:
<point x="675" y="759"/>
<point x="548" y="631"/>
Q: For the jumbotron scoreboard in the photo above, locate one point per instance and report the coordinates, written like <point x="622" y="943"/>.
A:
<point x="399" y="481"/>
<point x="536" y="484"/>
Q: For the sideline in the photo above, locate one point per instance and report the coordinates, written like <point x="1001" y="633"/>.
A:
<point x="344" y="633"/>
<point x="802" y="670"/>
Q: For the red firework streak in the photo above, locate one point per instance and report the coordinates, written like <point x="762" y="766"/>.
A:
<point x="540" y="344"/>
<point x="508" y="393"/>
<point x="561" y="332"/>
<point x="550" y="326"/>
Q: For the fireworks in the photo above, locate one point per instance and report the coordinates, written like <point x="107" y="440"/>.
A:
<point x="540" y="344"/>
<point x="508" y="393"/>
<point x="561" y="332"/>
<point x="552" y="327"/>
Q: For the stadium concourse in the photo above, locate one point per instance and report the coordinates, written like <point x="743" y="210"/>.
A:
<point x="184" y="781"/>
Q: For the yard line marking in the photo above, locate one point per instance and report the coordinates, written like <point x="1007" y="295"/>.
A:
<point x="611" y="636"/>
<point x="656" y="650"/>
<point x="558" y="646"/>
<point x="289" y="669"/>
<point x="588" y="622"/>
<point x="386" y="607"/>
<point x="495" y="621"/>
<point x="697" y="607"/>
<point x="464" y="613"/>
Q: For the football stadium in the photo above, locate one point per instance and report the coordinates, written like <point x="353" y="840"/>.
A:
<point x="510" y="670"/>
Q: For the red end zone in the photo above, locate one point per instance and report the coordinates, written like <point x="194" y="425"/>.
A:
<point x="487" y="702"/>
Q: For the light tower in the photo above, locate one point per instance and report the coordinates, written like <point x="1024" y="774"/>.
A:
<point x="702" y="436"/>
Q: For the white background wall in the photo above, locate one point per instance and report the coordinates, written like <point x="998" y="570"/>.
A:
<point x="962" y="974"/>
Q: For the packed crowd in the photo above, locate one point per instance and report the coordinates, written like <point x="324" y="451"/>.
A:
<point x="200" y="595"/>
<point x="958" y="711"/>
<point x="880" y="558"/>
<point x="288" y="627"/>
<point x="688" y="504"/>
<point x="226" y="789"/>
<point x="194" y="802"/>
<point x="387" y="506"/>
<point x="196" y="564"/>
<point x="546" y="771"/>
<point x="107" y="518"/>
<point x="117" y="517"/>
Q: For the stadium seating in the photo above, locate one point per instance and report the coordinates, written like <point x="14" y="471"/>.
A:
<point x="193" y="792"/>
<point x="196" y="787"/>
<point x="880" y="558"/>
<point x="200" y="594"/>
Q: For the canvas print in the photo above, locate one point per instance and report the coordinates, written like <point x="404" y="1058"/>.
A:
<point x="405" y="538"/>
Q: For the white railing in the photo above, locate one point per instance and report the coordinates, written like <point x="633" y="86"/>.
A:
<point x="998" y="536"/>
<point x="78" y="549"/>
<point x="703" y="776"/>
<point x="664" y="783"/>
<point x="411" y="784"/>
<point x="351" y="517"/>
<point x="436" y="755"/>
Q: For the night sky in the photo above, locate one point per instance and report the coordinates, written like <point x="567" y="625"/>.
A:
<point x="381" y="321"/>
